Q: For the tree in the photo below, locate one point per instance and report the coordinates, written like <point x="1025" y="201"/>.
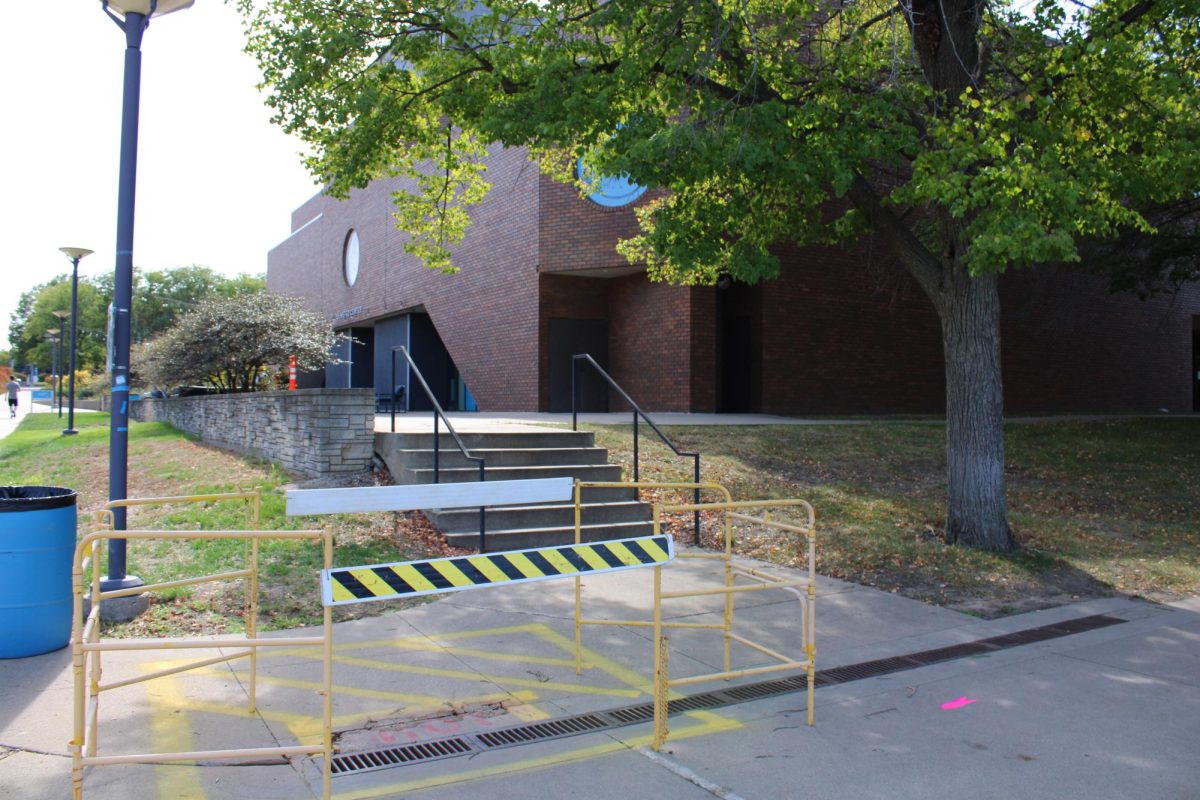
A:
<point x="970" y="137"/>
<point x="233" y="343"/>
<point x="34" y="316"/>
<point x="160" y="296"/>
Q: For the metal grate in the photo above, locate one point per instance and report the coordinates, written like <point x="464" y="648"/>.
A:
<point x="630" y="715"/>
<point x="532" y="732"/>
<point x="368" y="760"/>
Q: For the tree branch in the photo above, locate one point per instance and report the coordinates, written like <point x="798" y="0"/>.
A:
<point x="914" y="255"/>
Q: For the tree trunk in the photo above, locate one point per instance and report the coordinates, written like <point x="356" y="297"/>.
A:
<point x="969" y="308"/>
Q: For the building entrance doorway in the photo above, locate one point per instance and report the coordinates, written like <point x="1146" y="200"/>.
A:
<point x="568" y="337"/>
<point x="1195" y="363"/>
<point x="738" y="353"/>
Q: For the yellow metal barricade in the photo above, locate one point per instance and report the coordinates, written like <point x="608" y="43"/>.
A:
<point x="87" y="645"/>
<point x="579" y="620"/>
<point x="803" y="587"/>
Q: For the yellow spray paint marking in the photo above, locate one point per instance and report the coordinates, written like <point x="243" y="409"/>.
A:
<point x="172" y="733"/>
<point x="420" y="641"/>
<point x="179" y="781"/>
<point x="643" y="684"/>
<point x="374" y="663"/>
<point x="528" y="713"/>
<point x="420" y="701"/>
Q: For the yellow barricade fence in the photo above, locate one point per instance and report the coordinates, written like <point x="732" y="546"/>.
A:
<point x="579" y="619"/>
<point x="804" y="588"/>
<point x="87" y="645"/>
<point x="760" y="581"/>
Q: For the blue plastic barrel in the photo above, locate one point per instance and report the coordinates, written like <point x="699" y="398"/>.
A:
<point x="37" y="543"/>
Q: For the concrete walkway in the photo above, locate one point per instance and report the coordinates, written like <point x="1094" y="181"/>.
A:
<point x="1110" y="713"/>
<point x="25" y="406"/>
<point x="496" y="421"/>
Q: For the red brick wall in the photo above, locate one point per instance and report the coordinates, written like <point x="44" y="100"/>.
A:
<point x="306" y="212"/>
<point x="579" y="234"/>
<point x="838" y="332"/>
<point x="1069" y="345"/>
<point x="650" y="351"/>
<point x="841" y="334"/>
<point x="487" y="315"/>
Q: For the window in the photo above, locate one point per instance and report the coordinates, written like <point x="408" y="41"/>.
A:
<point x="350" y="258"/>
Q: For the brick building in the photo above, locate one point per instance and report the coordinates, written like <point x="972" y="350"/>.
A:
<point x="837" y="332"/>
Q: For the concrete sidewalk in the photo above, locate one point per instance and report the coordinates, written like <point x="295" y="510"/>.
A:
<point x="1113" y="712"/>
<point x="497" y="421"/>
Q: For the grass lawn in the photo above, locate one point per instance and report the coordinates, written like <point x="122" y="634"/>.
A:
<point x="165" y="462"/>
<point x="1098" y="508"/>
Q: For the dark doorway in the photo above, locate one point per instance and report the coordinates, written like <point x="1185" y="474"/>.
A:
<point x="567" y="338"/>
<point x="738" y="350"/>
<point x="1195" y="363"/>
<point x="362" y="358"/>
<point x="433" y="360"/>
<point x="355" y="354"/>
<point x="736" y="342"/>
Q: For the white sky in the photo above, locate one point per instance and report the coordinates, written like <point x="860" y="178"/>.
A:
<point x="216" y="180"/>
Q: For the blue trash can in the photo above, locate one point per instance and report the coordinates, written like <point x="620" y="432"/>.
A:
<point x="37" y="543"/>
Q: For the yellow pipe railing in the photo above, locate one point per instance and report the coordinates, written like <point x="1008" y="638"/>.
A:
<point x="579" y="620"/>
<point x="88" y="647"/>
<point x="804" y="588"/>
<point x="762" y="581"/>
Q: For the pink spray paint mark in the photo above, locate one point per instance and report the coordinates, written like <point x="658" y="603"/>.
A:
<point x="959" y="703"/>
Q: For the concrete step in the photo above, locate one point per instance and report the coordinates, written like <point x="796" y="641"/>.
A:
<point x="464" y="520"/>
<point x="504" y="457"/>
<point x="551" y="438"/>
<point x="584" y="472"/>
<point x="516" y="539"/>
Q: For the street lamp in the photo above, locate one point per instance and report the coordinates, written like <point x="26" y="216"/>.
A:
<point x="132" y="17"/>
<point x="74" y="254"/>
<point x="52" y="336"/>
<point x="61" y="316"/>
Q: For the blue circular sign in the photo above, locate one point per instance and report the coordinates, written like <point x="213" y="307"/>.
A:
<point x="609" y="191"/>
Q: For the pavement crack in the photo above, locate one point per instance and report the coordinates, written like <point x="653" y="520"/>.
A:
<point x="715" y="789"/>
<point x="7" y="750"/>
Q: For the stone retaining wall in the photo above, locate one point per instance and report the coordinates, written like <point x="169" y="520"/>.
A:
<point x="311" y="432"/>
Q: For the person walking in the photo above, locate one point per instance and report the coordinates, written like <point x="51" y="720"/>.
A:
<point x="14" y="395"/>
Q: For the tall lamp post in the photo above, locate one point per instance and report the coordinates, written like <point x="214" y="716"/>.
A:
<point x="61" y="316"/>
<point x="74" y="254"/>
<point x="54" y="337"/>
<point x="132" y="17"/>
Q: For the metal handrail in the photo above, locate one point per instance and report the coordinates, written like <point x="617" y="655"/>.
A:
<point x="637" y="412"/>
<point x="438" y="413"/>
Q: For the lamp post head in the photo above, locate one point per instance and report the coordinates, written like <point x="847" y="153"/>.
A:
<point x="147" y="8"/>
<point x="52" y="332"/>
<point x="75" y="253"/>
<point x="61" y="314"/>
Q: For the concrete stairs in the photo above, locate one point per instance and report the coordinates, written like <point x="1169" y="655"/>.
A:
<point x="607" y="513"/>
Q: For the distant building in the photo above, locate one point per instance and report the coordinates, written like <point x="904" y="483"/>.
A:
<point x="540" y="280"/>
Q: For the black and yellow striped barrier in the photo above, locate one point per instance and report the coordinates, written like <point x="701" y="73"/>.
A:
<point x="345" y="585"/>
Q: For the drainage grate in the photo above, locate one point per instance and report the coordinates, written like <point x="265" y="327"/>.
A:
<point x="630" y="715"/>
<point x="532" y="732"/>
<point x="369" y="760"/>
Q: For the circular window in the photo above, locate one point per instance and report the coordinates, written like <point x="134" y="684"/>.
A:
<point x="350" y="258"/>
<point x="609" y="191"/>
